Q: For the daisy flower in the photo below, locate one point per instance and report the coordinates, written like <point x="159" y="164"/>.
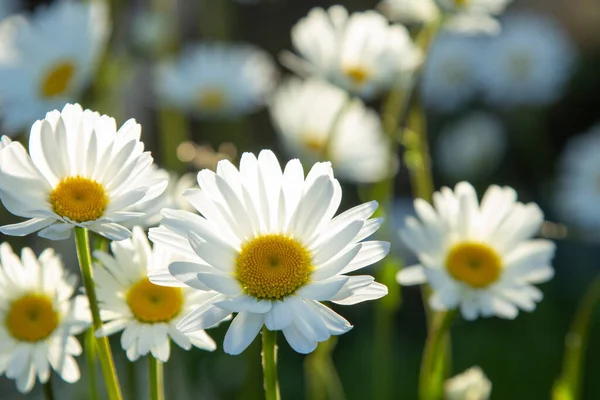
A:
<point x="146" y="313"/>
<point x="472" y="147"/>
<point x="472" y="16"/>
<point x="472" y="384"/>
<point x="450" y="75"/>
<point x="316" y="122"/>
<point x="170" y="198"/>
<point x="267" y="242"/>
<point x="80" y="171"/>
<point x="578" y="193"/>
<point x="38" y="318"/>
<point x="48" y="59"/>
<point x="528" y="63"/>
<point x="217" y="80"/>
<point x="409" y="11"/>
<point x="479" y="258"/>
<point x="360" y="52"/>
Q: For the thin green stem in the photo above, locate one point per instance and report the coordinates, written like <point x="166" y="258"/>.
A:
<point x="174" y="130"/>
<point x="568" y="385"/>
<point x="90" y="359"/>
<point x="157" y="380"/>
<point x="432" y="377"/>
<point x="323" y="381"/>
<point x="103" y="347"/>
<point x="48" y="392"/>
<point x="269" y="361"/>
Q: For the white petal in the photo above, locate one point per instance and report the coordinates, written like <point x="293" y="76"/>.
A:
<point x="333" y="245"/>
<point x="372" y="291"/>
<point x="242" y="331"/>
<point x="26" y="227"/>
<point x="298" y="341"/>
<point x="322" y="290"/>
<point x="279" y="317"/>
<point x="58" y="231"/>
<point x="370" y="253"/>
<point x="111" y="327"/>
<point x="413" y="275"/>
<point x="245" y="303"/>
<point x="336" y="264"/>
<point x="220" y="283"/>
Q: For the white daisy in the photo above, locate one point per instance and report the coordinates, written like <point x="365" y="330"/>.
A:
<point x="217" y="80"/>
<point x="316" y="123"/>
<point x="38" y="318"/>
<point x="479" y="258"/>
<point x="471" y="384"/>
<point x="528" y="63"/>
<point x="48" y="59"/>
<point x="361" y="52"/>
<point x="578" y="187"/>
<point x="266" y="241"/>
<point x="472" y="147"/>
<point x="170" y="198"/>
<point x="450" y="75"/>
<point x="81" y="172"/>
<point x="472" y="16"/>
<point x="7" y="7"/>
<point x="146" y="313"/>
<point x="409" y="11"/>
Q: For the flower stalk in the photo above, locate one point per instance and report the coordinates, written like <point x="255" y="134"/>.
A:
<point x="432" y="373"/>
<point x="103" y="347"/>
<point x="157" y="382"/>
<point x="568" y="385"/>
<point x="90" y="359"/>
<point x="269" y="360"/>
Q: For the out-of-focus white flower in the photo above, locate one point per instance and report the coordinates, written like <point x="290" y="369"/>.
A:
<point x="409" y="11"/>
<point x="578" y="191"/>
<point x="151" y="30"/>
<point x="47" y="60"/>
<point x="146" y="313"/>
<point x="472" y="16"/>
<point x="472" y="147"/>
<point x="479" y="258"/>
<point x="451" y="75"/>
<point x="528" y="63"/>
<point x="172" y="197"/>
<point x="267" y="242"/>
<point x="217" y="80"/>
<point x="360" y="52"/>
<point x="7" y="7"/>
<point x="317" y="122"/>
<point x="472" y="384"/>
<point x="39" y="317"/>
<point x="80" y="171"/>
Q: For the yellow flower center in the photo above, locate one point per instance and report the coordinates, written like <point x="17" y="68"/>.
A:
<point x="31" y="318"/>
<point x="475" y="264"/>
<point x="272" y="267"/>
<point x="79" y="199"/>
<point x="358" y="74"/>
<point x="315" y="143"/>
<point x="151" y="303"/>
<point x="461" y="3"/>
<point x="58" y="79"/>
<point x="212" y="99"/>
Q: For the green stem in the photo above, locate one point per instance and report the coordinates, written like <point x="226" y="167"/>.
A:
<point x="568" y="385"/>
<point x="157" y="381"/>
<point x="432" y="377"/>
<point x="174" y="130"/>
<point x="269" y="360"/>
<point x="323" y="381"/>
<point x="103" y="348"/>
<point x="48" y="392"/>
<point x="90" y="358"/>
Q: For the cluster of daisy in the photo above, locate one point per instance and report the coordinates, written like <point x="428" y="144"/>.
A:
<point x="528" y="63"/>
<point x="266" y="247"/>
<point x="261" y="244"/>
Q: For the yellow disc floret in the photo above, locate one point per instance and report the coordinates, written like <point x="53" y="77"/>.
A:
<point x="212" y="99"/>
<point x="272" y="267"/>
<point x="475" y="264"/>
<point x="58" y="79"/>
<point x="151" y="303"/>
<point x="358" y="74"/>
<point x="79" y="199"/>
<point x="31" y="318"/>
